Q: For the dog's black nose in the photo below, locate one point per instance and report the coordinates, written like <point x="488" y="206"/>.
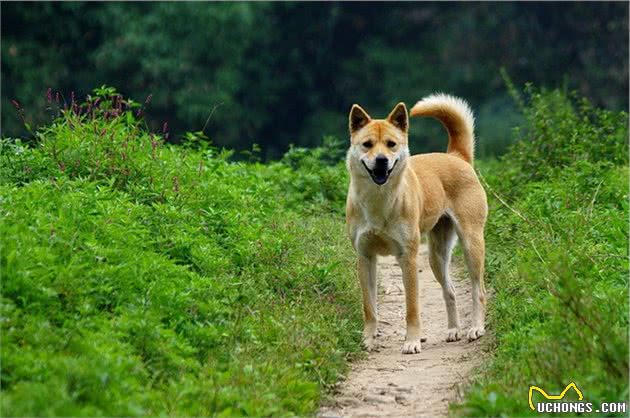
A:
<point x="380" y="161"/>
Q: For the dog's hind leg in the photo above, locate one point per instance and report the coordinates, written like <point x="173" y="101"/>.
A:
<point x="441" y="241"/>
<point x="471" y="237"/>
<point x="367" y="277"/>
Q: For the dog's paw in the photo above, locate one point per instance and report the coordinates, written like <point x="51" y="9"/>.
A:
<point x="475" y="333"/>
<point x="369" y="343"/>
<point x="411" y="347"/>
<point x="453" y="334"/>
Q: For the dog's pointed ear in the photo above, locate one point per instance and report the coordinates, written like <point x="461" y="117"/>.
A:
<point x="358" y="118"/>
<point x="399" y="117"/>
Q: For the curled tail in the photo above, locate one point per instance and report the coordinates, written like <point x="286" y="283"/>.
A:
<point x="457" y="117"/>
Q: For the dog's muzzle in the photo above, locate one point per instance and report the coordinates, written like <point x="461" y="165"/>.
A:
<point x="380" y="173"/>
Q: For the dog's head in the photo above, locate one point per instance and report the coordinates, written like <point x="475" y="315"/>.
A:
<point x="378" y="147"/>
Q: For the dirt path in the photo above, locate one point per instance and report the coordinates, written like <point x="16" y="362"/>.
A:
<point x="389" y="383"/>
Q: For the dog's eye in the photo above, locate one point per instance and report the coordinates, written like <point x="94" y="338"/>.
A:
<point x="391" y="144"/>
<point x="367" y="144"/>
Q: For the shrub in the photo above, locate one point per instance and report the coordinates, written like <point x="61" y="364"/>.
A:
<point x="557" y="258"/>
<point x="140" y="278"/>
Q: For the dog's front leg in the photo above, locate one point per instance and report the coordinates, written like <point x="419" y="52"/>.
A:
<point x="367" y="277"/>
<point x="408" y="265"/>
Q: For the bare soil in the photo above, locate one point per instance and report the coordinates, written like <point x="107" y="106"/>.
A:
<point x="391" y="384"/>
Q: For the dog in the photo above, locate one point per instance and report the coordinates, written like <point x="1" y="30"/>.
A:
<point x="394" y="197"/>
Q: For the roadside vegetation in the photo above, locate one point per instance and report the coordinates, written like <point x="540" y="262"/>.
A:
<point x="557" y="259"/>
<point x="141" y="278"/>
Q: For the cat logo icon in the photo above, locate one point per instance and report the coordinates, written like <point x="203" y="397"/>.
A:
<point x="553" y="397"/>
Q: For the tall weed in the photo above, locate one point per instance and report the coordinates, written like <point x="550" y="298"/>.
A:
<point x="142" y="278"/>
<point x="557" y="258"/>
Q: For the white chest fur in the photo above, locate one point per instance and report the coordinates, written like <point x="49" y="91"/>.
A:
<point x="379" y="230"/>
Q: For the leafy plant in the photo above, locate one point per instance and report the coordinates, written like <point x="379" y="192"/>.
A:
<point x="140" y="278"/>
<point x="557" y="257"/>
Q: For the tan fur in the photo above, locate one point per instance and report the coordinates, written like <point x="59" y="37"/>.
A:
<point x="458" y="119"/>
<point x="436" y="193"/>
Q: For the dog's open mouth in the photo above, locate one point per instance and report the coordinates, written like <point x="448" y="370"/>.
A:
<point x="380" y="174"/>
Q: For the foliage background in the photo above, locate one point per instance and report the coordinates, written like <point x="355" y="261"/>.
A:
<point x="557" y="260"/>
<point x="142" y="278"/>
<point x="286" y="73"/>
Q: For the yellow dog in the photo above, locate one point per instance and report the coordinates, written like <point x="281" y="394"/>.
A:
<point x="394" y="197"/>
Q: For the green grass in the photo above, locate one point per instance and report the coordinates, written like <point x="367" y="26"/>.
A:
<point x="145" y="279"/>
<point x="557" y="259"/>
<point x="140" y="278"/>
